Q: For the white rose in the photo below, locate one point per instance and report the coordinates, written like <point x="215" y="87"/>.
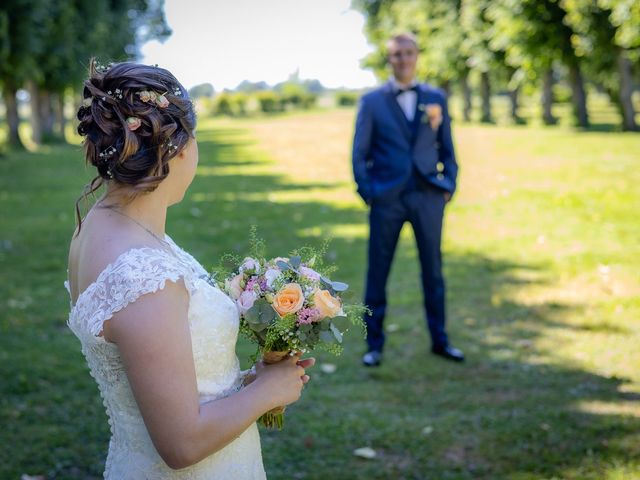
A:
<point x="271" y="275"/>
<point x="250" y="264"/>
<point x="310" y="273"/>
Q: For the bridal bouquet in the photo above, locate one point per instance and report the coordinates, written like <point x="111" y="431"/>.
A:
<point x="288" y="305"/>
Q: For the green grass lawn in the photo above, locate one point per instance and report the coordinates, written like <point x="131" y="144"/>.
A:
<point x="542" y="258"/>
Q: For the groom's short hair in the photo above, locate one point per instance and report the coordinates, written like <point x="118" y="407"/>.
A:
<point x="402" y="37"/>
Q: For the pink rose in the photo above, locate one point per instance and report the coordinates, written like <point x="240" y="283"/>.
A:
<point x="234" y="286"/>
<point x="310" y="273"/>
<point x="246" y="300"/>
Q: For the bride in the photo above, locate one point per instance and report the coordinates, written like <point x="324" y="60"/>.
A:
<point x="158" y="338"/>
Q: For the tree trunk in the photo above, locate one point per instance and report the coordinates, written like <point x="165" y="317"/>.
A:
<point x="485" y="92"/>
<point x="446" y="86"/>
<point x="579" y="95"/>
<point x="625" y="75"/>
<point x="59" y="113"/>
<point x="547" y="98"/>
<point x="13" y="118"/>
<point x="35" y="117"/>
<point x="466" y="95"/>
<point x="46" y="115"/>
<point x="515" y="105"/>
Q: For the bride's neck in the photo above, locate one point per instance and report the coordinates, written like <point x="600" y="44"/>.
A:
<point x="150" y="209"/>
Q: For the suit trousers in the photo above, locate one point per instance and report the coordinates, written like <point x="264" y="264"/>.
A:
<point x="423" y="207"/>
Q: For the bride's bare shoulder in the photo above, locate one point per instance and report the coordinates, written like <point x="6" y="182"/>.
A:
<point x="98" y="243"/>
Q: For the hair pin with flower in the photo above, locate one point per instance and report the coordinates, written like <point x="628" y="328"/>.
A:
<point x="107" y="153"/>
<point x="148" y="96"/>
<point x="117" y="93"/>
<point x="103" y="68"/>
<point x="171" y="146"/>
<point x="133" y="123"/>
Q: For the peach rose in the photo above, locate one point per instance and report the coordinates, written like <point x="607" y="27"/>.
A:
<point x="327" y="304"/>
<point x="288" y="300"/>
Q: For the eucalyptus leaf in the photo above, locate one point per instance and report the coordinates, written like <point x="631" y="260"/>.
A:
<point x="252" y="315"/>
<point x="325" y="281"/>
<point x="336" y="333"/>
<point x="325" y="323"/>
<point x="260" y="315"/>
<point x="284" y="266"/>
<point x="295" y="261"/>
<point x="327" y="336"/>
<point x="339" y="286"/>
<point x="302" y="336"/>
<point x="262" y="335"/>
<point x="341" y="322"/>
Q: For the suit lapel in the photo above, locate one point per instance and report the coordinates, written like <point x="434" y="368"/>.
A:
<point x="421" y="101"/>
<point x="423" y="126"/>
<point x="397" y="111"/>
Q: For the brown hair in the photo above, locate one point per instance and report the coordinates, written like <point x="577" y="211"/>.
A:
<point x="139" y="159"/>
<point x="402" y="37"/>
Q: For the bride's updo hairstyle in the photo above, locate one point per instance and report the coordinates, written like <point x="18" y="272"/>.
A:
<point x="134" y="118"/>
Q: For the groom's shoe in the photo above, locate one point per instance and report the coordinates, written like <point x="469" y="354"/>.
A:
<point x="449" y="353"/>
<point x="372" y="358"/>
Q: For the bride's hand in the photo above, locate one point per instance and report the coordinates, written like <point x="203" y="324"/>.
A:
<point x="282" y="382"/>
<point x="306" y="363"/>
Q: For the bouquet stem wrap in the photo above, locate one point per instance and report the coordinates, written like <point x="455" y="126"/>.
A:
<point x="273" y="418"/>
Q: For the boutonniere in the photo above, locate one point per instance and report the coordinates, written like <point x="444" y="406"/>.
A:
<point x="432" y="114"/>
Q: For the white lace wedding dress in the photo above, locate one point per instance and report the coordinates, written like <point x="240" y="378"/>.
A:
<point x="213" y="321"/>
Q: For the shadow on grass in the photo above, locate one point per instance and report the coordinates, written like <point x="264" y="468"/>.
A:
<point x="509" y="412"/>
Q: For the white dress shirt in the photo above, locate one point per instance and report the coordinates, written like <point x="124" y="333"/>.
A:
<point x="407" y="100"/>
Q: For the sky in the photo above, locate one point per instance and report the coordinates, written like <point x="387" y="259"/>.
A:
<point x="224" y="42"/>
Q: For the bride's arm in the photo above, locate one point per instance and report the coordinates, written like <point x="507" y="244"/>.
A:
<point x="154" y="341"/>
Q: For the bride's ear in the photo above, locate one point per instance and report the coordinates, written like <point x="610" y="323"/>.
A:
<point x="185" y="150"/>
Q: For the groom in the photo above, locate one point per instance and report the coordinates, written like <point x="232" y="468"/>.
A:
<point x="405" y="169"/>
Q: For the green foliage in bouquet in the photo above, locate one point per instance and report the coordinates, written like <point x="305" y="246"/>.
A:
<point x="289" y="304"/>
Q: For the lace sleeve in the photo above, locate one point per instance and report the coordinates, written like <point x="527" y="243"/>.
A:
<point x="135" y="273"/>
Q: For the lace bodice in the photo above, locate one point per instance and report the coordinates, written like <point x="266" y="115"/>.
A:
<point x="213" y="322"/>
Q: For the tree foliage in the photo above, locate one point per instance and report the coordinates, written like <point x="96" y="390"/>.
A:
<point x="514" y="43"/>
<point x="46" y="45"/>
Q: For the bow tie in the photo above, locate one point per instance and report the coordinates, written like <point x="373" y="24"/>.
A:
<point x="400" y="91"/>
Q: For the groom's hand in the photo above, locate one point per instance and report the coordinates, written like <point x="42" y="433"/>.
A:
<point x="447" y="197"/>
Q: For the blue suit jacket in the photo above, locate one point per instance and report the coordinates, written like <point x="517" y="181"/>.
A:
<point x="385" y="149"/>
